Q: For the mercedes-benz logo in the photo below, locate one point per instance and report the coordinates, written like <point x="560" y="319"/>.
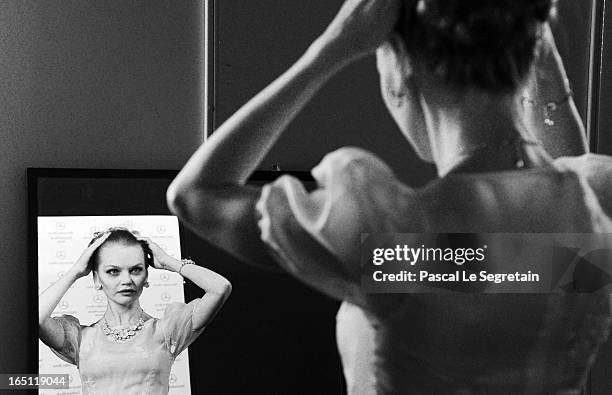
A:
<point x="61" y="254"/>
<point x="161" y="229"/>
<point x="60" y="226"/>
<point x="63" y="305"/>
<point x="60" y="274"/>
<point x="165" y="297"/>
<point x="164" y="277"/>
<point x="98" y="298"/>
<point x="172" y="378"/>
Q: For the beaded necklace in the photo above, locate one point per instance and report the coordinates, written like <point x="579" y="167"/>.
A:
<point x="122" y="334"/>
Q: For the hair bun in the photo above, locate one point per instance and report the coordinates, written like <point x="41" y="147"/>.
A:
<point x="466" y="32"/>
<point x="476" y="21"/>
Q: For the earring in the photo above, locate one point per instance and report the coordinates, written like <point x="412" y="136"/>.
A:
<point x="146" y="284"/>
<point x="99" y="287"/>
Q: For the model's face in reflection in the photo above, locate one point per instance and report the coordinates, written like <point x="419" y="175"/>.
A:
<point x="121" y="272"/>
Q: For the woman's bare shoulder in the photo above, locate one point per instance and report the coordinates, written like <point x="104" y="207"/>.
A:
<point x="591" y="164"/>
<point x="597" y="170"/>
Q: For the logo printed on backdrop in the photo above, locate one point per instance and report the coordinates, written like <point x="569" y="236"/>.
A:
<point x="161" y="229"/>
<point x="98" y="298"/>
<point x="165" y="297"/>
<point x="172" y="379"/>
<point x="61" y="254"/>
<point x="63" y="305"/>
<point x="60" y="274"/>
<point x="94" y="229"/>
<point x="164" y="276"/>
<point x="60" y="225"/>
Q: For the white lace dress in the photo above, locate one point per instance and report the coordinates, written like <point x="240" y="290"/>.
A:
<point x="140" y="365"/>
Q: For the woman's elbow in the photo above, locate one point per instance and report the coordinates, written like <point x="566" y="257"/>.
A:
<point x="226" y="289"/>
<point x="176" y="198"/>
<point x="184" y="202"/>
<point x="223" y="289"/>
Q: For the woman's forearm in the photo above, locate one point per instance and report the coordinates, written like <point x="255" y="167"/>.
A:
<point x="554" y="116"/>
<point x="216" y="287"/>
<point x="237" y="147"/>
<point x="204" y="278"/>
<point x="49" y="298"/>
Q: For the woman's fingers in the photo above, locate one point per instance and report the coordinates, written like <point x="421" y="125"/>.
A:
<point x="161" y="259"/>
<point x="90" y="250"/>
<point x="147" y="240"/>
<point x="99" y="241"/>
<point x="362" y="25"/>
<point x="158" y="253"/>
<point x="81" y="266"/>
<point x="155" y="249"/>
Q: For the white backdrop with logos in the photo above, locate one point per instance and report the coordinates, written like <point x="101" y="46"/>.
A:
<point x="61" y="240"/>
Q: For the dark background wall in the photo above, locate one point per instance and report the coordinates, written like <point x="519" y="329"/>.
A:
<point x="95" y="84"/>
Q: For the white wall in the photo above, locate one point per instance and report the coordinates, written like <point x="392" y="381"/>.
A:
<point x="93" y="84"/>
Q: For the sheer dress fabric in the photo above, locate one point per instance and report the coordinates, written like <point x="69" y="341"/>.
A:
<point x="441" y="343"/>
<point x="140" y="365"/>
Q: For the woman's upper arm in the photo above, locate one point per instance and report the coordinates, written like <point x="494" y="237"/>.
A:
<point x="63" y="335"/>
<point x="598" y="172"/>
<point x="207" y="307"/>
<point x="224" y="216"/>
<point x="317" y="236"/>
<point x="181" y="322"/>
<point x="314" y="236"/>
<point x="309" y="261"/>
<point x="51" y="332"/>
<point x="600" y="177"/>
<point x="227" y="217"/>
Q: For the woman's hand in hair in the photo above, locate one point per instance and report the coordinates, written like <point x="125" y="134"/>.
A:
<point x="82" y="266"/>
<point x="161" y="260"/>
<point x="360" y="27"/>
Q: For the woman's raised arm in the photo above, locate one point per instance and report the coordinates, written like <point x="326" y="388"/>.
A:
<point x="216" y="287"/>
<point x="50" y="331"/>
<point x="209" y="193"/>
